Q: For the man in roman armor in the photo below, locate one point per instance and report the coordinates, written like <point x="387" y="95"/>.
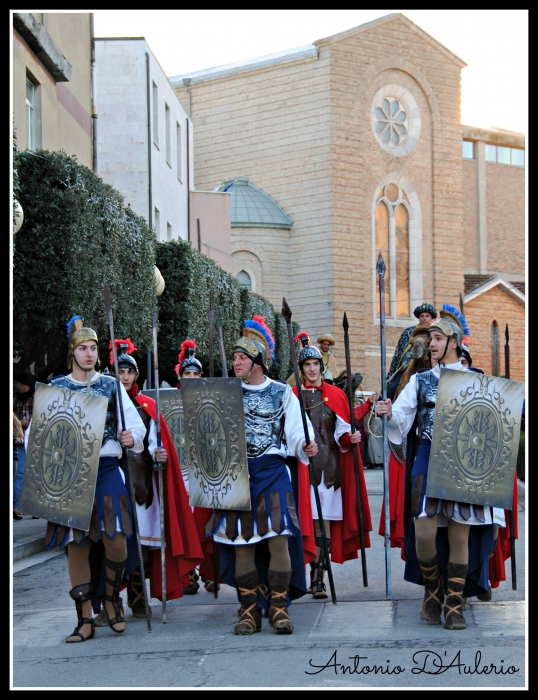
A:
<point x="182" y="544"/>
<point x="446" y="539"/>
<point x="111" y="508"/>
<point x="426" y="314"/>
<point x="261" y="552"/>
<point x="328" y="409"/>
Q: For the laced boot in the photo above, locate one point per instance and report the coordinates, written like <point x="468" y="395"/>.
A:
<point x="250" y="619"/>
<point x="118" y="567"/>
<point x="454" y="619"/>
<point x="81" y="594"/>
<point x="432" y="604"/>
<point x="135" y="593"/>
<point x="193" y="586"/>
<point x="278" y="599"/>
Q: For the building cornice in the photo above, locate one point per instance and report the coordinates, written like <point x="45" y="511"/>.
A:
<point x="39" y="40"/>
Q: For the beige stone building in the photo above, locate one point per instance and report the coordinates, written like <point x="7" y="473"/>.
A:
<point x="358" y="138"/>
<point x="52" y="82"/>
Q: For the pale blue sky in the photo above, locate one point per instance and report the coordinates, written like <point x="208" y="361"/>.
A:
<point x="494" y="44"/>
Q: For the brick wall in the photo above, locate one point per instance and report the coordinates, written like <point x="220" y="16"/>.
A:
<point x="497" y="305"/>
<point x="505" y="207"/>
<point x="470" y="214"/>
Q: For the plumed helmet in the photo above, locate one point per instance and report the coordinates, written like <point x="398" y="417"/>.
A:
<point x="450" y="329"/>
<point x="303" y="338"/>
<point x="310" y="353"/>
<point x="257" y="342"/>
<point x="124" y="348"/>
<point x="77" y="333"/>
<point x="425" y="309"/>
<point x="186" y="358"/>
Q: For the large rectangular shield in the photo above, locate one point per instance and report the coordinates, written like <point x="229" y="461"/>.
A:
<point x="62" y="458"/>
<point x="171" y="405"/>
<point x="215" y="443"/>
<point x="475" y="438"/>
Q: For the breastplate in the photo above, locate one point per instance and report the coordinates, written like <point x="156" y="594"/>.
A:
<point x="264" y="418"/>
<point x="323" y="419"/>
<point x="427" y="383"/>
<point x="104" y="386"/>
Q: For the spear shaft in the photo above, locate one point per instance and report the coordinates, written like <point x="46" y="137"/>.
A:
<point x="216" y="558"/>
<point x="512" y="535"/>
<point x="160" y="466"/>
<point x="107" y="298"/>
<point x="286" y="312"/>
<point x="381" y="273"/>
<point x="354" y="451"/>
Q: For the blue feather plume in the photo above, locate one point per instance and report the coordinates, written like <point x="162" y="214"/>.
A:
<point x="459" y="316"/>
<point x="266" y="334"/>
<point x="70" y="323"/>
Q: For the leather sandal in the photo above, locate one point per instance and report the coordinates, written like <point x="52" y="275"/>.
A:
<point x="119" y="568"/>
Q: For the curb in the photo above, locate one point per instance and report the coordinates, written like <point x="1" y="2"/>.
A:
<point x="28" y="546"/>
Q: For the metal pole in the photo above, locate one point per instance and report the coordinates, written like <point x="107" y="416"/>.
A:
<point x="107" y="298"/>
<point x="381" y="273"/>
<point x="216" y="558"/>
<point x="354" y="450"/>
<point x="160" y="466"/>
<point x="511" y="517"/>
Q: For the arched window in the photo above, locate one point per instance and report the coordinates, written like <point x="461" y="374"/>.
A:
<point x="244" y="280"/>
<point x="392" y="241"/>
<point x="495" y="349"/>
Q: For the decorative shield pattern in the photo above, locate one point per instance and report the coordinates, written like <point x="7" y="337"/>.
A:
<point x="63" y="455"/>
<point x="475" y="439"/>
<point x="171" y="405"/>
<point x="215" y="443"/>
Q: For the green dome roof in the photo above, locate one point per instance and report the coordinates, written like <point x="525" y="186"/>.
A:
<point x="251" y="206"/>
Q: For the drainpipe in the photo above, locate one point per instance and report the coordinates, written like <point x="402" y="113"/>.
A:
<point x="188" y="186"/>
<point x="148" y="111"/>
<point x="94" y="97"/>
<point x="150" y="198"/>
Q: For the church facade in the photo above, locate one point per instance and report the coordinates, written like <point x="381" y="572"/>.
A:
<point x="357" y="140"/>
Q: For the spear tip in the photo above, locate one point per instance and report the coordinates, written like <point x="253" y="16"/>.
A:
<point x="380" y="267"/>
<point x="506" y="334"/>
<point x="286" y="311"/>
<point x="345" y="323"/>
<point x="107" y="297"/>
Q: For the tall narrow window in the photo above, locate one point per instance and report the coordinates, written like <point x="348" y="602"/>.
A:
<point x="30" y="115"/>
<point x="157" y="223"/>
<point x="168" y="231"/>
<point x="155" y="95"/>
<point x="495" y="349"/>
<point x="392" y="241"/>
<point x="178" y="150"/>
<point x="244" y="280"/>
<point x="167" y="126"/>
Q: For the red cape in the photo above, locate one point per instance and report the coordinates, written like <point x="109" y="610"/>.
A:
<point x="396" y="497"/>
<point x="183" y="551"/>
<point x="503" y="549"/>
<point x="345" y="538"/>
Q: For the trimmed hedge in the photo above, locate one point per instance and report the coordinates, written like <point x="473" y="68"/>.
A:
<point x="77" y="235"/>
<point x="192" y="283"/>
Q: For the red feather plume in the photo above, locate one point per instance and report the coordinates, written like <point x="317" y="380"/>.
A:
<point x="185" y="345"/>
<point x="130" y="347"/>
<point x="302" y="334"/>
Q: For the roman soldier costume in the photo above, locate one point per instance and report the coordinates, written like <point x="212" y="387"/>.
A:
<point x="328" y="409"/>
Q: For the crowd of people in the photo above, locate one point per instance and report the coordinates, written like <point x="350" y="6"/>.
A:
<point x="295" y="462"/>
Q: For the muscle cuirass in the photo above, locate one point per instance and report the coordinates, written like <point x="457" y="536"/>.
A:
<point x="264" y="417"/>
<point x="323" y="419"/>
<point x="141" y="465"/>
<point x="427" y="383"/>
<point x="104" y="386"/>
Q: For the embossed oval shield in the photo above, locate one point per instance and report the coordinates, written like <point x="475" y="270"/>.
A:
<point x="63" y="455"/>
<point x="171" y="405"/>
<point x="475" y="438"/>
<point x="215" y="443"/>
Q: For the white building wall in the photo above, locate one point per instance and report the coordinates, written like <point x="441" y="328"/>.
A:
<point x="122" y="135"/>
